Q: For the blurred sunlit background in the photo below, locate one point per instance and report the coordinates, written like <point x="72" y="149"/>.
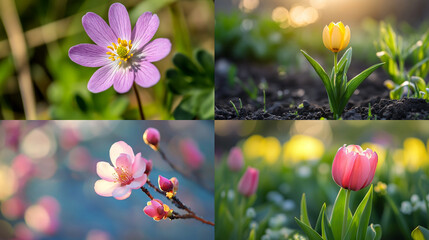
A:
<point x="47" y="176"/>
<point x="49" y="28"/>
<point x="295" y="157"/>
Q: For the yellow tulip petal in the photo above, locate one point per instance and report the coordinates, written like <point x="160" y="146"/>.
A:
<point x="346" y="39"/>
<point x="336" y="39"/>
<point x="326" y="38"/>
<point x="341" y="26"/>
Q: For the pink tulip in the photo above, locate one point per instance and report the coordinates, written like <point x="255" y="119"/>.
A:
<point x="128" y="172"/>
<point x="249" y="182"/>
<point x="152" y="138"/>
<point x="157" y="210"/>
<point x="354" y="168"/>
<point x="235" y="159"/>
<point x="165" y="184"/>
<point x="191" y="154"/>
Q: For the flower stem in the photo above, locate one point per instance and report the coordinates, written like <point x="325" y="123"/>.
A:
<point x="177" y="216"/>
<point x="334" y="84"/>
<point x="147" y="192"/>
<point x="346" y="208"/>
<point x="139" y="102"/>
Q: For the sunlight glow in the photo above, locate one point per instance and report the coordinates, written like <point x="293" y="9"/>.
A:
<point x="248" y="5"/>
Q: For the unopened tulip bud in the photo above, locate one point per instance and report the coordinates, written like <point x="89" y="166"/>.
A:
<point x="165" y="184"/>
<point x="157" y="210"/>
<point x="152" y="138"/>
<point x="235" y="159"/>
<point x="336" y="36"/>
<point x="249" y="182"/>
<point x="353" y="168"/>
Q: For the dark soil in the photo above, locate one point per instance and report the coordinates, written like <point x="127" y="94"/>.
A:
<point x="303" y="96"/>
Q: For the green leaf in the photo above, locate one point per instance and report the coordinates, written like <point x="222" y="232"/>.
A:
<point x="338" y="214"/>
<point x="347" y="59"/>
<point x="185" y="110"/>
<point x="417" y="66"/>
<point x="326" y="229"/>
<point x="177" y="82"/>
<point x="206" y="61"/>
<point x="360" y="220"/>
<point x="420" y="233"/>
<point x="311" y="234"/>
<point x="373" y="232"/>
<point x="252" y="235"/>
<point x="185" y="64"/>
<point x="321" y="72"/>
<point x="304" y="215"/>
<point x="356" y="81"/>
<point x="81" y="103"/>
<point x="318" y="226"/>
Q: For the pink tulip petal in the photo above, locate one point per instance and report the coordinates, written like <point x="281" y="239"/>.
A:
<point x="120" y="21"/>
<point x="339" y="165"/>
<point x="350" y="160"/>
<point x="124" y="161"/>
<point x="105" y="188"/>
<point x="138" y="182"/>
<point x="147" y="75"/>
<point x="157" y="49"/>
<point x="146" y="27"/>
<point x="121" y="193"/>
<point x="102" y="79"/>
<point x="373" y="160"/>
<point x="117" y="149"/>
<point x="124" y="80"/>
<point x="139" y="166"/>
<point x="89" y="55"/>
<point x="106" y="171"/>
<point x="359" y="173"/>
<point x="98" y="30"/>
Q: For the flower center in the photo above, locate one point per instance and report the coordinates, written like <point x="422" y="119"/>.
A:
<point x="120" y="51"/>
<point x="124" y="176"/>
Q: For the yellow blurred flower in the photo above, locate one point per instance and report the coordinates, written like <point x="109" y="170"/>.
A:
<point x="336" y="36"/>
<point x="302" y="148"/>
<point x="257" y="146"/>
<point x="413" y="156"/>
<point x="380" y="150"/>
<point x="381" y="187"/>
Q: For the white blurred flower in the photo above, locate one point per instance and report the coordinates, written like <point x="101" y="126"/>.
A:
<point x="406" y="207"/>
<point x="275" y="197"/>
<point x="250" y="213"/>
<point x="231" y="195"/>
<point x="254" y="225"/>
<point x="288" y="205"/>
<point x="415" y="199"/>
<point x="277" y="221"/>
<point x="304" y="171"/>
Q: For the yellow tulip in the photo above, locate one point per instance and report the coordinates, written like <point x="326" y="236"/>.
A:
<point x="336" y="36"/>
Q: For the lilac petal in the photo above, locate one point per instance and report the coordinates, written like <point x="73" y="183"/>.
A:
<point x="157" y="49"/>
<point x="124" y="80"/>
<point x="147" y="75"/>
<point x="146" y="27"/>
<point x="102" y="79"/>
<point x="98" y="30"/>
<point x="89" y="55"/>
<point x="120" y="21"/>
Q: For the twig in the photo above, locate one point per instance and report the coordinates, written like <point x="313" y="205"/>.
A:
<point x="10" y="18"/>
<point x="186" y="216"/>
<point x="139" y="101"/>
<point x="174" y="167"/>
<point x="147" y="192"/>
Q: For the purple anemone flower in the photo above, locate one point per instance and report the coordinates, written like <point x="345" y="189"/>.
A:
<point x="124" y="56"/>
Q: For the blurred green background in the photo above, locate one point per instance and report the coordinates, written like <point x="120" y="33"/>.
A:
<point x="51" y="27"/>
<point x="295" y="157"/>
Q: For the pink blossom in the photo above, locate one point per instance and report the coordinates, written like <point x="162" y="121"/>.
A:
<point x="157" y="210"/>
<point x="165" y="184"/>
<point x="152" y="138"/>
<point x="249" y="182"/>
<point x="43" y="216"/>
<point x="128" y="172"/>
<point x="191" y="154"/>
<point x="235" y="159"/>
<point x="354" y="168"/>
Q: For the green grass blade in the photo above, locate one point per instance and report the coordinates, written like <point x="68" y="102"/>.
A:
<point x="338" y="214"/>
<point x="318" y="226"/>
<point x="417" y="66"/>
<point x="326" y="229"/>
<point x="304" y="215"/>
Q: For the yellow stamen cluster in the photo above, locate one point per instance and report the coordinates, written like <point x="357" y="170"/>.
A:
<point x="123" y="176"/>
<point x="120" y="51"/>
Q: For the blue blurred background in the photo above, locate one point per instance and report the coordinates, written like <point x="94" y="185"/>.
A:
<point x="47" y="176"/>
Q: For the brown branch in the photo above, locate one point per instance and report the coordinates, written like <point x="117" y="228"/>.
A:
<point x="147" y="192"/>
<point x="188" y="216"/>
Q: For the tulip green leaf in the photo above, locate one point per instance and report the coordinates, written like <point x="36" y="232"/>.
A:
<point x="416" y="67"/>
<point x="311" y="234"/>
<point x="321" y="72"/>
<point x="252" y="235"/>
<point x="326" y="228"/>
<point x="304" y="215"/>
<point x="360" y="220"/>
<point x="420" y="233"/>
<point x="338" y="214"/>
<point x="373" y="232"/>
<point x="318" y="226"/>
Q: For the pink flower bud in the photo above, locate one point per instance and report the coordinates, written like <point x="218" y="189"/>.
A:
<point x="175" y="184"/>
<point x="354" y="168"/>
<point x="152" y="137"/>
<point x="149" y="166"/>
<point x="191" y="154"/>
<point x="157" y="210"/>
<point x="249" y="182"/>
<point x="165" y="184"/>
<point x="235" y="159"/>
